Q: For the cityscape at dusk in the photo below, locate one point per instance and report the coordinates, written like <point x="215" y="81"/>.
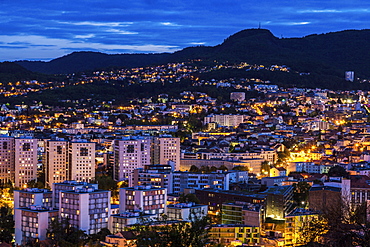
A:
<point x="184" y="124"/>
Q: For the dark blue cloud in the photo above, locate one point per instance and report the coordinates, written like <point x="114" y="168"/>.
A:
<point x="48" y="29"/>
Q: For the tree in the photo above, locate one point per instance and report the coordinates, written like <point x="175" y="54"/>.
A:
<point x="194" y="168"/>
<point x="6" y="224"/>
<point x="63" y="234"/>
<point x="223" y="168"/>
<point x="240" y="168"/>
<point x="265" y="167"/>
<point x="100" y="236"/>
<point x="343" y="224"/>
<point x="106" y="182"/>
<point x="338" y="171"/>
<point x="300" y="193"/>
<point x="189" y="198"/>
<point x="35" y="184"/>
<point x="164" y="233"/>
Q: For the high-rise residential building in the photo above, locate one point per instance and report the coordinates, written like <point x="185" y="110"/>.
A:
<point x="158" y="176"/>
<point x="32" y="196"/>
<point x="165" y="149"/>
<point x="81" y="161"/>
<point x="32" y="223"/>
<point x="25" y="161"/>
<point x="56" y="161"/>
<point x="68" y="185"/>
<point x="7" y="167"/>
<point x="143" y="199"/>
<point x="86" y="208"/>
<point x="129" y="154"/>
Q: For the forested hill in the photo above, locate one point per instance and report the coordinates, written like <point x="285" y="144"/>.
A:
<point x="327" y="54"/>
<point x="12" y="72"/>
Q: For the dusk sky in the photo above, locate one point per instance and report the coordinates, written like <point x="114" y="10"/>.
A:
<point x="44" y="30"/>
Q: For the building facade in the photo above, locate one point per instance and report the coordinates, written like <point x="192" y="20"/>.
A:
<point x="130" y="154"/>
<point x="81" y="161"/>
<point x="7" y="166"/>
<point x="86" y="208"/>
<point x="158" y="176"/>
<point x="56" y="162"/>
<point x="32" y="222"/>
<point x="25" y="161"/>
<point x="143" y="199"/>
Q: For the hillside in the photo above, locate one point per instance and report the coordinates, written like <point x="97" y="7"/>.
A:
<point x="12" y="72"/>
<point x="89" y="61"/>
<point x="329" y="54"/>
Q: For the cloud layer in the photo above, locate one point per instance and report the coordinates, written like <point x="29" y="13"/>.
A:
<point x="43" y="30"/>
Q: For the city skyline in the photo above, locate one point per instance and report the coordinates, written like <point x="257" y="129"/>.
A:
<point x="43" y="31"/>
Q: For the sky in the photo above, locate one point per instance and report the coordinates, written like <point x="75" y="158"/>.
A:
<point x="44" y="30"/>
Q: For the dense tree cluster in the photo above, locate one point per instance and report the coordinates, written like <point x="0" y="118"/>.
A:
<point x="194" y="233"/>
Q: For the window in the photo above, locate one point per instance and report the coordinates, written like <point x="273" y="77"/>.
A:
<point x="26" y="147"/>
<point x="84" y="152"/>
<point x="130" y="148"/>
<point x="59" y="150"/>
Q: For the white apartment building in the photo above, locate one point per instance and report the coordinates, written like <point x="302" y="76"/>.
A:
<point x="129" y="154"/>
<point x="25" y="161"/>
<point x="263" y="154"/>
<point x="87" y="208"/>
<point x="32" y="196"/>
<point x="56" y="161"/>
<point x="226" y="120"/>
<point x="119" y="222"/>
<point x="81" y="161"/>
<point x="67" y="185"/>
<point x="308" y="167"/>
<point x="7" y="167"/>
<point x="165" y="149"/>
<point x="145" y="199"/>
<point x="32" y="222"/>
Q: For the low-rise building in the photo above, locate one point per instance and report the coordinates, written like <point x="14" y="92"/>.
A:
<point x="120" y="239"/>
<point x="119" y="222"/>
<point x="214" y="180"/>
<point x="215" y="198"/>
<point x="186" y="211"/>
<point x="242" y="213"/>
<point x="241" y="234"/>
<point x="279" y="201"/>
<point x="296" y="223"/>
